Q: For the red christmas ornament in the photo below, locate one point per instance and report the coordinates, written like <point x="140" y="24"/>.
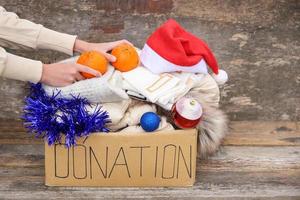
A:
<point x="186" y="113"/>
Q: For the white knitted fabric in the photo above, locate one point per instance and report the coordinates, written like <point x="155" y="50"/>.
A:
<point x="127" y="114"/>
<point x="107" y="88"/>
<point x="133" y="115"/>
<point x="116" y="110"/>
<point x="206" y="91"/>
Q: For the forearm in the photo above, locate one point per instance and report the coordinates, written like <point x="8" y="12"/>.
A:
<point x="81" y="46"/>
<point x="21" y="31"/>
<point x="19" y="68"/>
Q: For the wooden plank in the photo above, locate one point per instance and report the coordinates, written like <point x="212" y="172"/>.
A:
<point x="210" y="185"/>
<point x="253" y="159"/>
<point x="22" y="155"/>
<point x="218" y="184"/>
<point x="19" y="138"/>
<point x="11" y="126"/>
<point x="14" y="132"/>
<point x="253" y="41"/>
<point x="242" y="133"/>
<point x="258" y="133"/>
<point x="235" y="172"/>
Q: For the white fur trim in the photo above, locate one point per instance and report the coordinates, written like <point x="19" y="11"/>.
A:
<point x="157" y="64"/>
<point x="221" y="78"/>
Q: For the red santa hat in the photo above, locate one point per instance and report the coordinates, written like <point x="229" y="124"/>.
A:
<point x="171" y="48"/>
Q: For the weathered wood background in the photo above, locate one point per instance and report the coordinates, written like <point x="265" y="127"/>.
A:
<point x="259" y="160"/>
<point x="256" y="42"/>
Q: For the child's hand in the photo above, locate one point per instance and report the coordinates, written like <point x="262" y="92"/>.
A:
<point x="63" y="74"/>
<point x="103" y="48"/>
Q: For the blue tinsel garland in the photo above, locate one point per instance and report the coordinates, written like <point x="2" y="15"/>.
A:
<point x="50" y="117"/>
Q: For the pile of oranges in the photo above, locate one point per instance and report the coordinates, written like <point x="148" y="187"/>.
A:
<point x="126" y="59"/>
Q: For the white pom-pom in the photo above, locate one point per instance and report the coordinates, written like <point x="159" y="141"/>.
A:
<point x="221" y="78"/>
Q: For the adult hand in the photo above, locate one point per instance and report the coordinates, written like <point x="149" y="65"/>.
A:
<point x="63" y="74"/>
<point x="103" y="48"/>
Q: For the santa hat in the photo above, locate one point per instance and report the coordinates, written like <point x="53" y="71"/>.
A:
<point x="171" y="48"/>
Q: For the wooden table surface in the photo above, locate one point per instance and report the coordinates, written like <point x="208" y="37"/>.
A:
<point x="258" y="160"/>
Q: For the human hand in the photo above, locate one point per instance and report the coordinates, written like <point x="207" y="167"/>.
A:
<point x="63" y="74"/>
<point x="103" y="48"/>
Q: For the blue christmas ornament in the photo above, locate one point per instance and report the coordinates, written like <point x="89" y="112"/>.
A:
<point x="150" y="121"/>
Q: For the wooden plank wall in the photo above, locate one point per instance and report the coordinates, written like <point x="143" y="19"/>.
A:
<point x="256" y="42"/>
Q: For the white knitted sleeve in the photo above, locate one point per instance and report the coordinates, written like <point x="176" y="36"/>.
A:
<point x="96" y="90"/>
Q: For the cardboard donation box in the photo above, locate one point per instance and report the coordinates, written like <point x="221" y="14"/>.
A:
<point x="166" y="158"/>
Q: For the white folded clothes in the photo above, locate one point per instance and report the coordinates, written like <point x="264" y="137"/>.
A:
<point x="116" y="110"/>
<point x="132" y="115"/>
<point x="163" y="90"/>
<point x="187" y="82"/>
<point x="125" y="116"/>
<point x="150" y="85"/>
<point x="107" y="88"/>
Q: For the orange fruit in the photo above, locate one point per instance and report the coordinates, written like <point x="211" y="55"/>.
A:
<point x="94" y="60"/>
<point x="127" y="57"/>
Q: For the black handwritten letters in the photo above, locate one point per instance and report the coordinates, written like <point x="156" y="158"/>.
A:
<point x="169" y="161"/>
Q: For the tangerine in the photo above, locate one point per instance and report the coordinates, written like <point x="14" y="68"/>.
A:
<point x="127" y="57"/>
<point x="94" y="60"/>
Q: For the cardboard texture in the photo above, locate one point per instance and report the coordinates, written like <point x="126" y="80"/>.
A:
<point x="125" y="159"/>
